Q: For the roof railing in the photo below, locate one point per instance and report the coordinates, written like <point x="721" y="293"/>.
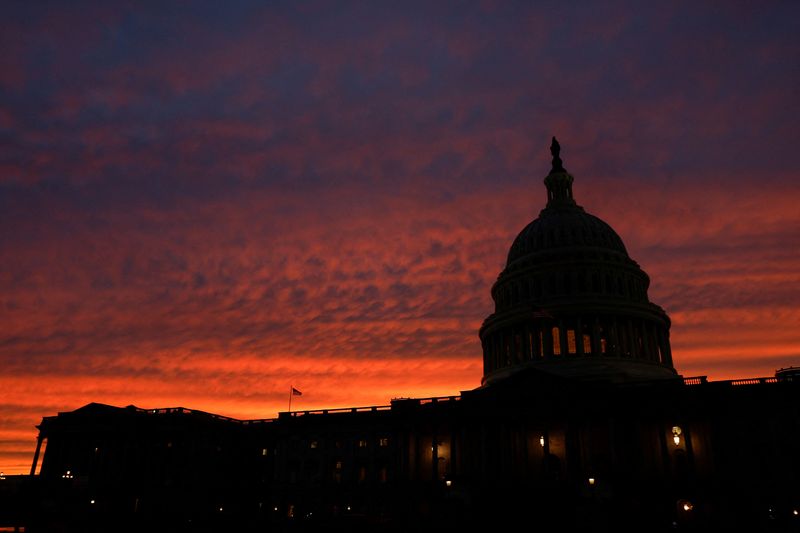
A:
<point x="702" y="380"/>
<point x="697" y="380"/>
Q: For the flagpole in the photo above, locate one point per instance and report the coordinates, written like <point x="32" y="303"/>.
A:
<point x="291" y="391"/>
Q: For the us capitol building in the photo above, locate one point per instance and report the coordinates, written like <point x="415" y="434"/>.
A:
<point x="580" y="422"/>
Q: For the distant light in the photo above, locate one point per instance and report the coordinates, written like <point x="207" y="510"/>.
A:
<point x="591" y="481"/>
<point x="2" y="475"/>
<point x="541" y="440"/>
<point x="275" y="509"/>
<point x="687" y="506"/>
<point x="91" y="501"/>
<point x="348" y="507"/>
<point x="677" y="440"/>
<point x="220" y="509"/>
<point x="795" y="512"/>
<point x="449" y="483"/>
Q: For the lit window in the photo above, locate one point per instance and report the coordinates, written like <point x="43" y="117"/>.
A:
<point x="382" y="474"/>
<point x="556" y="341"/>
<point x="362" y="474"/>
<point x="313" y="445"/>
<point x="338" y="465"/>
<point x="571" y="341"/>
<point x="263" y="452"/>
<point x="383" y="442"/>
<point x="602" y="345"/>
<point x="362" y="443"/>
<point x="587" y="343"/>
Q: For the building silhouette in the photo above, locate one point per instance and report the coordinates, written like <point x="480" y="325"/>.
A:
<point x="580" y="422"/>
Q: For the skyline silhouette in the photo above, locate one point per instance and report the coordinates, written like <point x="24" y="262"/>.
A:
<point x="204" y="207"/>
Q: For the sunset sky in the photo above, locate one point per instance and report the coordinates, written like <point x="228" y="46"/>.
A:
<point x="205" y="204"/>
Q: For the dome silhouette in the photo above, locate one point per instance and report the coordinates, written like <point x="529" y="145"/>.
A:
<point x="572" y="302"/>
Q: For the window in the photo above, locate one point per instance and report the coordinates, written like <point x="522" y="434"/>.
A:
<point x="571" y="341"/>
<point x="556" y="341"/>
<point x="362" y="474"/>
<point x="263" y="452"/>
<point x="362" y="443"/>
<point x="587" y="343"/>
<point x="313" y="445"/>
<point x="382" y="474"/>
<point x="383" y="442"/>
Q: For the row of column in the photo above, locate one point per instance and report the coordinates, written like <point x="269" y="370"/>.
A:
<point x="620" y="337"/>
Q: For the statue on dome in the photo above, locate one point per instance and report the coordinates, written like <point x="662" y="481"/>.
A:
<point x="555" y="150"/>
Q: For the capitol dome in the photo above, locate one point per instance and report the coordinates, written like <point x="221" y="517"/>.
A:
<point x="572" y="302"/>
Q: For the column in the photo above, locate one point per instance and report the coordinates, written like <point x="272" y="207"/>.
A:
<point x="614" y="338"/>
<point x="526" y="344"/>
<point x="39" y="440"/>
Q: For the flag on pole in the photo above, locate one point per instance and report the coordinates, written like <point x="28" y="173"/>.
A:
<point x="296" y="392"/>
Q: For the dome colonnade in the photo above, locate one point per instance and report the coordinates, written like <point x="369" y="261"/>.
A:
<point x="571" y="301"/>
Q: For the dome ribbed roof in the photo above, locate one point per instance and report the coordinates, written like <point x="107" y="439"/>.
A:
<point x="564" y="228"/>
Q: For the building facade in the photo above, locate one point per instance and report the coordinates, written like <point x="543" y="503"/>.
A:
<point x="581" y="421"/>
